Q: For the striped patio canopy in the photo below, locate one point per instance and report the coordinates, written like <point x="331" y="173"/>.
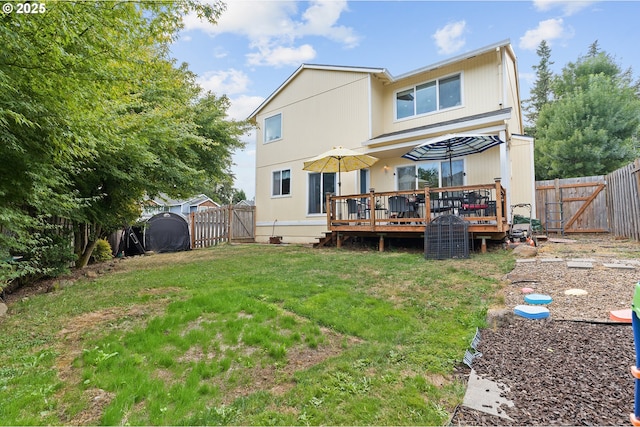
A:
<point x="449" y="146"/>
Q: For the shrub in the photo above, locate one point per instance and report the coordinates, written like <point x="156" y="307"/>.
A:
<point x="102" y="251"/>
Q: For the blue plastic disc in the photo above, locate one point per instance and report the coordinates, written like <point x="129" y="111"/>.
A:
<point x="537" y="299"/>
<point x="531" y="312"/>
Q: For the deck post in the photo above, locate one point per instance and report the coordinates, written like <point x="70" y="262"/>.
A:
<point x="329" y="210"/>
<point x="427" y="205"/>
<point x="483" y="246"/>
<point x="372" y="208"/>
<point x="381" y="243"/>
<point x="499" y="204"/>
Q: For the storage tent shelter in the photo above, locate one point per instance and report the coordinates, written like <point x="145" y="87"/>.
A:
<point x="167" y="232"/>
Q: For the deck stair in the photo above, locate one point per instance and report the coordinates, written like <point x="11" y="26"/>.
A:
<point x="328" y="239"/>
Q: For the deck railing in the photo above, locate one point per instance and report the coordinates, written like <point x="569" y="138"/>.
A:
<point x="483" y="206"/>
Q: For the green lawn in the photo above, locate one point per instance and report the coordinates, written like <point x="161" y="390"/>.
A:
<point x="249" y="335"/>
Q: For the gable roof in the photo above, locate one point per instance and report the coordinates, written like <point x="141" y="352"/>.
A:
<point x="382" y="73"/>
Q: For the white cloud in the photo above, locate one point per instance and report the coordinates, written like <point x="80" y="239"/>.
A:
<point x="569" y="7"/>
<point x="549" y="30"/>
<point x="227" y="82"/>
<point x="320" y="19"/>
<point x="243" y="105"/>
<point x="450" y="38"/>
<point x="280" y="55"/>
<point x="273" y="27"/>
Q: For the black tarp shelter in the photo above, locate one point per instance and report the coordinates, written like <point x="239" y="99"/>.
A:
<point x="167" y="232"/>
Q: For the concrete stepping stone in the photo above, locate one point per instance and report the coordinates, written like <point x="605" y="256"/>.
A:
<point x="538" y="299"/>
<point x="486" y="396"/>
<point x="575" y="292"/>
<point x="623" y="316"/>
<point x="551" y="259"/>
<point x="525" y="260"/>
<point x="579" y="264"/>
<point x="620" y="266"/>
<point x="531" y="311"/>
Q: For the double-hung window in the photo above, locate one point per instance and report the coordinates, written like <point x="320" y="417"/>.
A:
<point x="281" y="183"/>
<point x="273" y="128"/>
<point x="428" y="97"/>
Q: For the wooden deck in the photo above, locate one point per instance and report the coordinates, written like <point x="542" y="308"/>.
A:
<point x="406" y="214"/>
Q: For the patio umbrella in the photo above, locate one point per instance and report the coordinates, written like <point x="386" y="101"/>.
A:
<point x="452" y="145"/>
<point x="339" y="159"/>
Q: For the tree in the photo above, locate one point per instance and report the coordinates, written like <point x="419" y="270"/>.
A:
<point x="238" y="196"/>
<point x="93" y="115"/>
<point x="541" y="93"/>
<point x="592" y="126"/>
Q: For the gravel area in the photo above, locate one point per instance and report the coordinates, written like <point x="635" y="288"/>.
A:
<point x="573" y="368"/>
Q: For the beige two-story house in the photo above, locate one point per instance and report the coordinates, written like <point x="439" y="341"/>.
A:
<point x="370" y="111"/>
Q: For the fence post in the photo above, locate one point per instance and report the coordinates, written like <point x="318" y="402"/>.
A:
<point x="193" y="230"/>
<point x="230" y="217"/>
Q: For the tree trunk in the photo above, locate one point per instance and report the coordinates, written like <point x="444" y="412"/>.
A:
<point x="85" y="254"/>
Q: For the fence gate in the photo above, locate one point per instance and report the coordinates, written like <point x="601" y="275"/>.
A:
<point x="224" y="224"/>
<point x="243" y="224"/>
<point x="573" y="205"/>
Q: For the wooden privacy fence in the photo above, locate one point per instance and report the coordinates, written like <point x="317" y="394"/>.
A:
<point x="623" y="200"/>
<point x="224" y="224"/>
<point x="595" y="204"/>
<point x="573" y="205"/>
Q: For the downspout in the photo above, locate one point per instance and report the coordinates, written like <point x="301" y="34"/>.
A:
<point x="505" y="171"/>
<point x="501" y="80"/>
<point x="518" y="105"/>
<point x="505" y="162"/>
<point x="370" y="108"/>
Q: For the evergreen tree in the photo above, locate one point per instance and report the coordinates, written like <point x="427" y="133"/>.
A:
<point x="592" y="126"/>
<point x="541" y="93"/>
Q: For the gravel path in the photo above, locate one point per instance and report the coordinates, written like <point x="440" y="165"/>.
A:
<point x="571" y="369"/>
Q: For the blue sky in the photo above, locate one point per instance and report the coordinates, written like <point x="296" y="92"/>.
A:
<point x="257" y="45"/>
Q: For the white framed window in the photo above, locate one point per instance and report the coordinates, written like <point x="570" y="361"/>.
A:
<point x="432" y="174"/>
<point x="281" y="183"/>
<point x="428" y="97"/>
<point x="319" y="185"/>
<point x="273" y="128"/>
<point x="406" y="177"/>
<point x="455" y="177"/>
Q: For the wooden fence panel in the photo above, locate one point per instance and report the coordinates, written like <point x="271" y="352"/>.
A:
<point x="624" y="201"/>
<point x="243" y="224"/>
<point x="224" y="224"/>
<point x="608" y="203"/>
<point x="583" y="203"/>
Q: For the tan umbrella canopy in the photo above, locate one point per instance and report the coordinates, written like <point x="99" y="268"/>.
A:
<point x="339" y="159"/>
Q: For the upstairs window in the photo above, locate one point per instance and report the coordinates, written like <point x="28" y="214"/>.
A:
<point x="428" y="97"/>
<point x="273" y="128"/>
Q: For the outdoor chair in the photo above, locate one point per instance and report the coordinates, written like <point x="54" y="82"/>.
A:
<point x="352" y="208"/>
<point x="398" y="206"/>
<point x="475" y="202"/>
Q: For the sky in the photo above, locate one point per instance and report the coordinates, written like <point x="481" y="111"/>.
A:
<point x="257" y="45"/>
